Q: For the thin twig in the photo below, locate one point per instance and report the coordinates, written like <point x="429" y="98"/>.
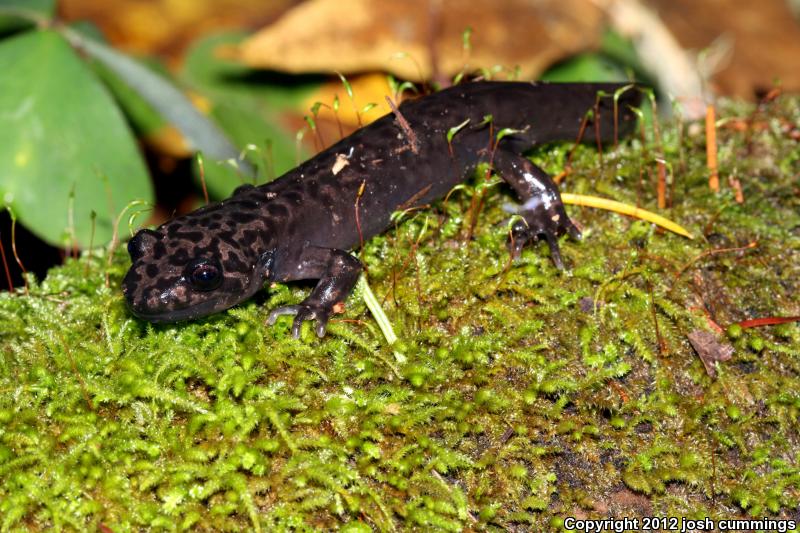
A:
<point x="5" y="266"/>
<point x="14" y="249"/>
<point x="401" y="120"/>
<point x="699" y="256"/>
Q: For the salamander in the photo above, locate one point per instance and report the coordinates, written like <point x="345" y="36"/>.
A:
<point x="303" y="225"/>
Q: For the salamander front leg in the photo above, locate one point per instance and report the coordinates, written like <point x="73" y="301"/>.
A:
<point x="338" y="273"/>
<point x="542" y="209"/>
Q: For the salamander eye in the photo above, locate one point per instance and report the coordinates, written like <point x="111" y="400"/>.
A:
<point x="204" y="274"/>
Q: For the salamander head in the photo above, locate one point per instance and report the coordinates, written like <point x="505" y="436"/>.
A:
<point x="193" y="266"/>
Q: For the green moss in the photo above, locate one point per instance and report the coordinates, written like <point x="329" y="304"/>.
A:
<point x="527" y="394"/>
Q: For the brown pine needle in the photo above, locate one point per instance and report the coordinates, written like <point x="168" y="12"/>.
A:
<point x="767" y="321"/>
<point x="625" y="209"/>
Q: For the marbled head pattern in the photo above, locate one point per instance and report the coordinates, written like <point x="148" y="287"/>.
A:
<point x="199" y="263"/>
<point x="302" y="225"/>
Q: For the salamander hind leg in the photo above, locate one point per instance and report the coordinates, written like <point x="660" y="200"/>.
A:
<point x="337" y="272"/>
<point x="542" y="210"/>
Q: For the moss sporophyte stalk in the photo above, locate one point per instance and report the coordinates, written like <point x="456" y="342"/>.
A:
<point x="527" y="395"/>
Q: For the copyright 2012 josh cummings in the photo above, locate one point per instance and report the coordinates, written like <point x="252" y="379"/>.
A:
<point x="679" y="523"/>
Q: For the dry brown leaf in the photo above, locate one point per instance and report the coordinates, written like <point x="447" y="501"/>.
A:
<point x="764" y="36"/>
<point x="710" y="350"/>
<point x="363" y="35"/>
<point x="167" y="27"/>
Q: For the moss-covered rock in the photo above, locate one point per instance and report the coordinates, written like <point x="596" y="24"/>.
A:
<point x="527" y="395"/>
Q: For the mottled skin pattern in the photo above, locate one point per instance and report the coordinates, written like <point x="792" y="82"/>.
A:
<point x="302" y="225"/>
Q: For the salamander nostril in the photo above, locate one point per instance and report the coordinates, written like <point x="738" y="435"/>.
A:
<point x="142" y="243"/>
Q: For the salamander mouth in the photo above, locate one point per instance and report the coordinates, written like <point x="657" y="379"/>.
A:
<point x="191" y="312"/>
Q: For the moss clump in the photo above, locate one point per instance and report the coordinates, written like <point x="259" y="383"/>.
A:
<point x="528" y="395"/>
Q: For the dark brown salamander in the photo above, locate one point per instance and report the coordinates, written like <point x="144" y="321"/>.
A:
<point x="302" y="225"/>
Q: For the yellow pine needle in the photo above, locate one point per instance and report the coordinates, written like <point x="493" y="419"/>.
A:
<point x="624" y="209"/>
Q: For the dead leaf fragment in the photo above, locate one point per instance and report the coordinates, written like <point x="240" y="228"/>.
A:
<point x="763" y="41"/>
<point x="407" y="37"/>
<point x="710" y="349"/>
<point x="168" y="27"/>
<point x="339" y="164"/>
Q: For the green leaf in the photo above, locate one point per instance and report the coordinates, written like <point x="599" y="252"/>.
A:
<point x="142" y="116"/>
<point x="41" y="7"/>
<point x="61" y="131"/>
<point x="249" y="107"/>
<point x="273" y="147"/>
<point x="220" y="79"/>
<point x="620" y="48"/>
<point x="18" y="15"/>
<point x="586" y="67"/>
<point x="172" y="104"/>
<point x="144" y="119"/>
